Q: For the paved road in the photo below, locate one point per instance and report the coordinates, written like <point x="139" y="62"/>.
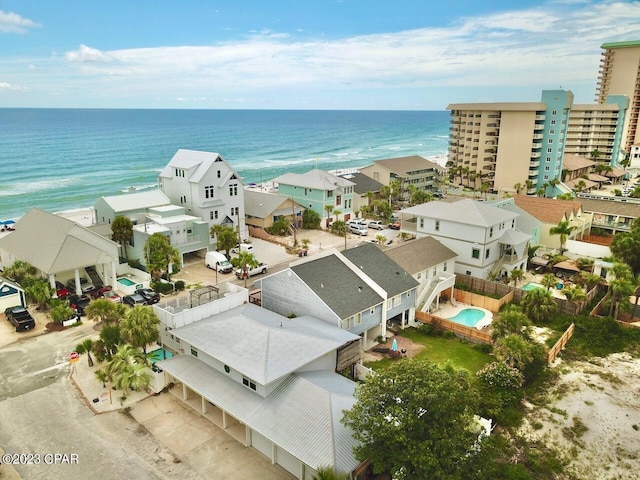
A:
<point x="42" y="413"/>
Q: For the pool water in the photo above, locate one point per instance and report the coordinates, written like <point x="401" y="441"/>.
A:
<point x="125" y="281"/>
<point x="157" y="355"/>
<point x="532" y="286"/>
<point x="468" y="317"/>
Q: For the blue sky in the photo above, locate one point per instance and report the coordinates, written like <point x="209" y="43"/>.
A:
<point x="324" y="54"/>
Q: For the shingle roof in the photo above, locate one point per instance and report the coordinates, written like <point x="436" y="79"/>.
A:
<point x="261" y="344"/>
<point x="381" y="268"/>
<point x="625" y="209"/>
<point x="574" y="162"/>
<point x="54" y="244"/>
<point x="363" y="183"/>
<point x="302" y="415"/>
<point x="139" y="200"/>
<point x="318" y="179"/>
<point x="337" y="285"/>
<point x="525" y="222"/>
<point x="587" y="183"/>
<point x="406" y="165"/>
<point x="263" y="205"/>
<point x="464" y="211"/>
<point x="547" y="210"/>
<point x="420" y="254"/>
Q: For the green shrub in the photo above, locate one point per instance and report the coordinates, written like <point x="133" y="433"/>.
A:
<point x="162" y="287"/>
<point x="280" y="227"/>
<point x="180" y="285"/>
<point x="135" y="263"/>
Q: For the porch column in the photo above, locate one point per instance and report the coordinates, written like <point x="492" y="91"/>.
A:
<point x="204" y="405"/>
<point x="383" y="323"/>
<point x="224" y="419"/>
<point x="76" y="274"/>
<point x="52" y="283"/>
<point x="247" y="436"/>
<point x="184" y="392"/>
<point x="114" y="275"/>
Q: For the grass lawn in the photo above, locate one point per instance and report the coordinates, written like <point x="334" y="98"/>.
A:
<point x="439" y="349"/>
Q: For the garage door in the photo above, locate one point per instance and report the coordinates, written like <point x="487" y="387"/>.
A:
<point x="9" y="297"/>
<point x="262" y="444"/>
<point x="288" y="462"/>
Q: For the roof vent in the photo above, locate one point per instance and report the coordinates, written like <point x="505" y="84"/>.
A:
<point x="322" y="285"/>
<point x="359" y="289"/>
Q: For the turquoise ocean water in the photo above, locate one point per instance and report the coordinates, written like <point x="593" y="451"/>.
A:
<point x="63" y="159"/>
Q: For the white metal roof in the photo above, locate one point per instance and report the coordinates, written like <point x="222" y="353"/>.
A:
<point x="465" y="211"/>
<point x="318" y="179"/>
<point x="136" y="201"/>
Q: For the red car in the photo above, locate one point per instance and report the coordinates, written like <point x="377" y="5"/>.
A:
<point x="112" y="296"/>
<point x="394" y="226"/>
<point x="61" y="290"/>
<point x="99" y="292"/>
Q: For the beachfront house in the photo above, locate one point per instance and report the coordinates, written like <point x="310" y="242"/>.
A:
<point x="525" y="222"/>
<point x="358" y="295"/>
<point x="432" y="264"/>
<point x="206" y="185"/>
<point x="61" y="249"/>
<point x="133" y="206"/>
<point x="552" y="211"/>
<point x="268" y="381"/>
<point x="319" y="191"/>
<point x="365" y="189"/>
<point x="611" y="214"/>
<point x="484" y="237"/>
<point x="415" y="170"/>
<point x="262" y="209"/>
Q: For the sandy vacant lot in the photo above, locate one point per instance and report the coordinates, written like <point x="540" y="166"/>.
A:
<point x="592" y="416"/>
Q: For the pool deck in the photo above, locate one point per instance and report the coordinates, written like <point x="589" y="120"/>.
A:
<point x="449" y="311"/>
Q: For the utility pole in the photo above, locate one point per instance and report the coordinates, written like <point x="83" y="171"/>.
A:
<point x="294" y="223"/>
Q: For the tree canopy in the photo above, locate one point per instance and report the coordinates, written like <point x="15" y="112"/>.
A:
<point x="563" y="229"/>
<point x="226" y="237"/>
<point x="415" y="420"/>
<point x="122" y="232"/>
<point x="244" y="261"/>
<point x="626" y="247"/>
<point x="140" y="327"/>
<point x="159" y="254"/>
<point x="310" y="219"/>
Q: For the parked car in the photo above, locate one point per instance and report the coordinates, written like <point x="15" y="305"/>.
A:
<point x="376" y="225"/>
<point x="61" y="290"/>
<point x="99" y="291"/>
<point x="20" y="318"/>
<point x="261" y="268"/>
<point x="394" y="226"/>
<point x="242" y="247"/>
<point x="358" y="230"/>
<point x="85" y="284"/>
<point x="134" y="299"/>
<point x="218" y="261"/>
<point x="112" y="296"/>
<point x="150" y="296"/>
<point x="79" y="303"/>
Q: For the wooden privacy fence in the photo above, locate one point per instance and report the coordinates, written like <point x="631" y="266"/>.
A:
<point x="562" y="341"/>
<point x="471" y="334"/>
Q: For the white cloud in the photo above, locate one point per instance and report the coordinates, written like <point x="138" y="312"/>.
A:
<point x="88" y="54"/>
<point x="13" y="23"/>
<point x="6" y="86"/>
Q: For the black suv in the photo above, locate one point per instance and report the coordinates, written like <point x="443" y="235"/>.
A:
<point x="134" y="299"/>
<point x="79" y="303"/>
<point x="150" y="296"/>
<point x="20" y="318"/>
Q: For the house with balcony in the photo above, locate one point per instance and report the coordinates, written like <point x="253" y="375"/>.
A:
<point x="483" y="236"/>
<point x="552" y="211"/>
<point x="414" y="170"/>
<point x="319" y="191"/>
<point x="342" y="292"/>
<point x="578" y="174"/>
<point x="610" y="214"/>
<point x="262" y="209"/>
<point x="366" y="190"/>
<point x="432" y="264"/>
<point x="207" y="187"/>
<point x="129" y="205"/>
<point x="267" y="380"/>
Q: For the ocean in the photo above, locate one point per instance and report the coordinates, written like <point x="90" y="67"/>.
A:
<point x="65" y="159"/>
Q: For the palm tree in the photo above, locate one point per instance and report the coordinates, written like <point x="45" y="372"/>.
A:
<point x="135" y="376"/>
<point x="85" y="347"/>
<point x="124" y="356"/>
<point x="103" y="377"/>
<point x="244" y="261"/>
<point x="531" y="251"/>
<point x="621" y="287"/>
<point x="122" y="232"/>
<point x="517" y="187"/>
<point x="540" y="191"/>
<point x="552" y="184"/>
<point x="40" y="291"/>
<point x="516" y="275"/>
<point x="564" y="230"/>
<point x="538" y="305"/>
<point x="140" y="327"/>
<point x="574" y="293"/>
<point x="381" y="239"/>
<point x="549" y="280"/>
<point x="106" y="311"/>
<point x="515" y="350"/>
<point x="510" y="320"/>
<point x="328" y="473"/>
<point x="529" y="184"/>
<point x="20" y="270"/>
<point x="328" y="209"/>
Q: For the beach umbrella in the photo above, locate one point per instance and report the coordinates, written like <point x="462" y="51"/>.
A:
<point x="7" y="222"/>
<point x="394" y="345"/>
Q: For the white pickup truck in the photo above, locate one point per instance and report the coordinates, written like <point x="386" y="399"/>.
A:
<point x="261" y="268"/>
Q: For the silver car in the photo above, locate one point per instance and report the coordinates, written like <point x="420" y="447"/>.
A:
<point x="358" y="230"/>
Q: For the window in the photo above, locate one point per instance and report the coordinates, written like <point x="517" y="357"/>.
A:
<point x="551" y="140"/>
<point x="211" y="215"/>
<point x="421" y="222"/>
<point x="306" y="191"/>
<point x="234" y="211"/>
<point x="546" y="168"/>
<point x="397" y="300"/>
<point x="194" y="352"/>
<point x="389" y="303"/>
<point x="445" y="266"/>
<point x="356" y="319"/>
<point x="437" y="225"/>
<point x="549" y="150"/>
<point x="233" y="190"/>
<point x="338" y="200"/>
<point x="554" y="112"/>
<point x="329" y="193"/>
<point x="468" y="272"/>
<point x="208" y="191"/>
<point x="553" y="122"/>
<point x="248" y="383"/>
<point x="491" y="232"/>
<point x="548" y="159"/>
<point x="372" y="311"/>
<point x="179" y="172"/>
<point x="419" y="276"/>
<point x="487" y="253"/>
<point x="475" y="253"/>
<point x="552" y="132"/>
<point x="215" y="214"/>
<point x="218" y="173"/>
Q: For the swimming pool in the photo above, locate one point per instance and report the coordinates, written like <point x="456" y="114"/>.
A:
<point x="159" y="354"/>
<point x="468" y="317"/>
<point x="532" y="285"/>
<point x="126" y="281"/>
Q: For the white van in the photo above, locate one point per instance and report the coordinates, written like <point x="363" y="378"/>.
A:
<point x="218" y="261"/>
<point x="242" y="247"/>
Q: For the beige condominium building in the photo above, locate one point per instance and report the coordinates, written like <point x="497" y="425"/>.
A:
<point x="620" y="75"/>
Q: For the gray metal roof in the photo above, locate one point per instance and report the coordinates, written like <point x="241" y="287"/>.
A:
<point x="197" y="162"/>
<point x="136" y="201"/>
<point x="363" y="183"/>
<point x="261" y="344"/>
<point x="420" y="254"/>
<point x="263" y="205"/>
<point x="302" y="415"/>
<point x="407" y="165"/>
<point x="381" y="268"/>
<point x="318" y="179"/>
<point x="337" y="285"/>
<point x="464" y="211"/>
<point x="55" y="244"/>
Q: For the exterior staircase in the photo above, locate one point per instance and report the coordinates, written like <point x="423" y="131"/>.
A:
<point x="93" y="275"/>
<point x="436" y="286"/>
